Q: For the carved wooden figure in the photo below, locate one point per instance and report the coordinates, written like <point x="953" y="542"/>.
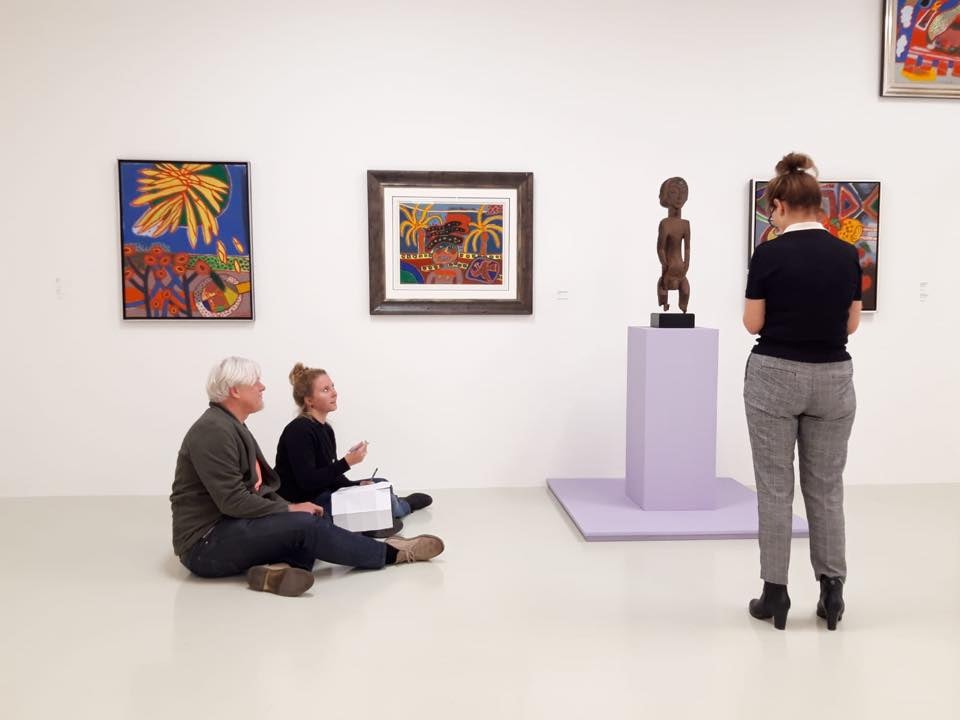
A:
<point x="673" y="244"/>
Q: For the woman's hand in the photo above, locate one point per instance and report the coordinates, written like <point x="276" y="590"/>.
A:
<point x="357" y="454"/>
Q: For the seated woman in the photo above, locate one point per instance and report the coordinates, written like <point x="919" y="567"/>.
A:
<point x="307" y="459"/>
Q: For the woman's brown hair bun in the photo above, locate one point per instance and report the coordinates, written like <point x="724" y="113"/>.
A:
<point x="795" y="184"/>
<point x="298" y="370"/>
<point x="795" y="162"/>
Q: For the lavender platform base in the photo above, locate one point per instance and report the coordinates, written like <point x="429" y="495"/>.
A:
<point x="601" y="510"/>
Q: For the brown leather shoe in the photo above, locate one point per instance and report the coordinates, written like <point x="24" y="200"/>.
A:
<point x="415" y="549"/>
<point x="279" y="578"/>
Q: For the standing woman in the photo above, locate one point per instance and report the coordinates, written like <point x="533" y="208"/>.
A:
<point x="804" y="299"/>
<point x="307" y="459"/>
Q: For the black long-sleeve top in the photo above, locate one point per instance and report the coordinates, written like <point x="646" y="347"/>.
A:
<point x="307" y="460"/>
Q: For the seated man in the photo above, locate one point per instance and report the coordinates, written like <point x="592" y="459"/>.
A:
<point x="229" y="519"/>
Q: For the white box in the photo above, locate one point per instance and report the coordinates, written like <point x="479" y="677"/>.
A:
<point x="362" y="507"/>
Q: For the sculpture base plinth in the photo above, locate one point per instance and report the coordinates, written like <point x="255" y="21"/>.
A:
<point x="672" y="320"/>
<point x="601" y="510"/>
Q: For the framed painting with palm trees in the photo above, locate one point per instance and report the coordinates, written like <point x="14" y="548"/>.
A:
<point x="185" y="240"/>
<point x="450" y="243"/>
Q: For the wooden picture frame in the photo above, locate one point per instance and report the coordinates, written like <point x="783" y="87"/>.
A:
<point x="450" y="243"/>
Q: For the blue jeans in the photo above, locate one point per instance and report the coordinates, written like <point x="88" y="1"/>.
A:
<point x="234" y="545"/>
<point x="401" y="508"/>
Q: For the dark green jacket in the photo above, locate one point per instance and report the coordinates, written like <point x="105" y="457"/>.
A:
<point x="215" y="477"/>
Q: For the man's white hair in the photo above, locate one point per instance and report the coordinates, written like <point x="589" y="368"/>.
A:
<point x="229" y="373"/>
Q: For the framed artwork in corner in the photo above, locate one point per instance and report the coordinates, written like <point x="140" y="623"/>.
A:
<point x="185" y="240"/>
<point x="850" y="211"/>
<point x="450" y="243"/>
<point x="921" y="48"/>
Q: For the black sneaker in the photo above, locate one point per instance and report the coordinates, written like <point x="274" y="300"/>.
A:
<point x="418" y="501"/>
<point x="386" y="532"/>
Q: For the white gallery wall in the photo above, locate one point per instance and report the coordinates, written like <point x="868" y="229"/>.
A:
<point x="601" y="100"/>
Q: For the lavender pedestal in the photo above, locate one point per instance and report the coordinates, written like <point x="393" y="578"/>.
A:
<point x="671" y="490"/>
<point x="672" y="418"/>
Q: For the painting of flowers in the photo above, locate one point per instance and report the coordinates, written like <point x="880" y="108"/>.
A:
<point x="185" y="240"/>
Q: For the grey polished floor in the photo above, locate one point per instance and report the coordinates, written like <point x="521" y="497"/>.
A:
<point x="518" y="619"/>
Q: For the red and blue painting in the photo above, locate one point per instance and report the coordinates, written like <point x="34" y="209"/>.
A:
<point x="850" y="211"/>
<point x="922" y="48"/>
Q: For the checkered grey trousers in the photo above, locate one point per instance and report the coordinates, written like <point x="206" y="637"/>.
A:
<point x="810" y="406"/>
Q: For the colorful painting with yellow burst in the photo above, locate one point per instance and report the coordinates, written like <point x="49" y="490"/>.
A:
<point x="450" y="243"/>
<point x="185" y="240"/>
<point x="851" y="211"/>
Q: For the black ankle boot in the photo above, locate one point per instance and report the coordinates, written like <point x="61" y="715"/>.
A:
<point x="772" y="603"/>
<point x="831" y="604"/>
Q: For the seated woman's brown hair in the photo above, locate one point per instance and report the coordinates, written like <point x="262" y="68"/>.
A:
<point x="302" y="377"/>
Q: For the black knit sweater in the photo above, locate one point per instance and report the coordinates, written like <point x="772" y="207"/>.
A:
<point x="307" y="460"/>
